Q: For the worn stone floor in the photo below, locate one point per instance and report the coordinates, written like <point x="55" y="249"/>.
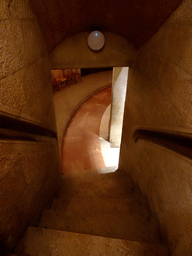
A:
<point x="81" y="146"/>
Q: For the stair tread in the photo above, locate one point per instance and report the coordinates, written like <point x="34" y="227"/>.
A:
<point x="95" y="177"/>
<point x="106" y="205"/>
<point x="133" y="226"/>
<point x="104" y="186"/>
<point x="96" y="205"/>
<point x="45" y="242"/>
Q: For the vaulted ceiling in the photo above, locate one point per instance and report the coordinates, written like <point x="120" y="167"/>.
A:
<point x="136" y="20"/>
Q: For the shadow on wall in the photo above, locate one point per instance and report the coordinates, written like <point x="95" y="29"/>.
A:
<point x="3" y="249"/>
<point x="89" y="71"/>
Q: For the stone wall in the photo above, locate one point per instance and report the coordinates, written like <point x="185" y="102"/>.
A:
<point x="159" y="97"/>
<point x="74" y="52"/>
<point x="28" y="183"/>
<point x="25" y="90"/>
<point x="29" y="163"/>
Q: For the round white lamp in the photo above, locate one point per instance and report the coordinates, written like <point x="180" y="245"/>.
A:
<point x="96" y="40"/>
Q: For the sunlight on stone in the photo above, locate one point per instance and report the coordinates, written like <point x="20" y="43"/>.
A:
<point x="110" y="157"/>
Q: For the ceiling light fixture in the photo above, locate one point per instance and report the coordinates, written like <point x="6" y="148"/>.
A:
<point x="96" y="40"/>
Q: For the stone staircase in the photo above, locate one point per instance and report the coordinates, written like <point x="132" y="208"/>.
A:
<point x="95" y="214"/>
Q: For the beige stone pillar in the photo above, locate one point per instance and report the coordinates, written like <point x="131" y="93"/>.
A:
<point x="119" y="88"/>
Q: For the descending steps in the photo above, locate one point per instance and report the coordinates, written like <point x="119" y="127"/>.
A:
<point x="46" y="242"/>
<point x="95" y="215"/>
<point x="103" y="205"/>
<point x="122" y="226"/>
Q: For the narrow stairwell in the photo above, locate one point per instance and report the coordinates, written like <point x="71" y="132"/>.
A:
<point x="95" y="214"/>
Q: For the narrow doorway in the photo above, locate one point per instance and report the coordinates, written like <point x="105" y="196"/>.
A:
<point x="106" y="117"/>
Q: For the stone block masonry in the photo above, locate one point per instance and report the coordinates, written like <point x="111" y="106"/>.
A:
<point x="30" y="168"/>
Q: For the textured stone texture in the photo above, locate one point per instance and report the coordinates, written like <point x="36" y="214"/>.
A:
<point x="40" y="242"/>
<point x="15" y="9"/>
<point x="169" y="189"/>
<point x="12" y="52"/>
<point x="117" y="51"/>
<point x="160" y="97"/>
<point x="29" y="170"/>
<point x="25" y="84"/>
<point x="105" y="205"/>
<point x="28" y="181"/>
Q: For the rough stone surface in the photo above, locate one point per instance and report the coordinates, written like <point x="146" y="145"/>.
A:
<point x="108" y="206"/>
<point x="169" y="188"/>
<point x="40" y="242"/>
<point x="160" y="97"/>
<point x="11" y="91"/>
<point x="12" y="52"/>
<point x="104" y="205"/>
<point x="25" y="81"/>
<point x="15" y="9"/>
<point x="29" y="170"/>
<point x="28" y="180"/>
<point x="33" y="41"/>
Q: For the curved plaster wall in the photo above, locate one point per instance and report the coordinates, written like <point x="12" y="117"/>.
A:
<point x="70" y="98"/>
<point x="75" y="53"/>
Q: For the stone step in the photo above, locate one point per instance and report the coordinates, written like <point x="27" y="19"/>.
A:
<point x="101" y="205"/>
<point x="88" y="175"/>
<point x="104" y="185"/>
<point x="46" y="242"/>
<point x="131" y="226"/>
